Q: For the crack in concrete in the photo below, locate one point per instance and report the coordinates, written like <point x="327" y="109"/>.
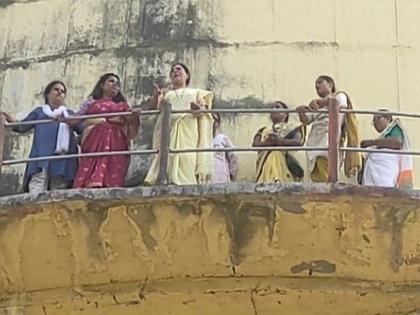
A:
<point x="115" y="300"/>
<point x="254" y="306"/>
<point x="142" y="290"/>
<point x="262" y="286"/>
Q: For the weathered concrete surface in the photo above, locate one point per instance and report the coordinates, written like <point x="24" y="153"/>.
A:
<point x="237" y="249"/>
<point x="247" y="53"/>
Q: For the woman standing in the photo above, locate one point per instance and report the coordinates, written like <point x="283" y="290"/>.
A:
<point x="317" y="161"/>
<point x="279" y="166"/>
<point x="105" y="135"/>
<point x="54" y="138"/>
<point x="188" y="131"/>
<point x="384" y="169"/>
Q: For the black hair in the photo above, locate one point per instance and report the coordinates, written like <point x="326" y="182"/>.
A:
<point x="98" y="93"/>
<point x="282" y="105"/>
<point x="185" y="69"/>
<point x="386" y="114"/>
<point x="329" y="80"/>
<point x="50" y="86"/>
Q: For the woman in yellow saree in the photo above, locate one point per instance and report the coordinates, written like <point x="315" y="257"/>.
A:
<point x="188" y="131"/>
<point x="279" y="166"/>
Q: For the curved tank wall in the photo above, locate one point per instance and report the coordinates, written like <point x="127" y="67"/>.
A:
<point x="236" y="249"/>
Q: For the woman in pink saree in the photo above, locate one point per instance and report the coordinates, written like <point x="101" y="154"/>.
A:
<point x="105" y="135"/>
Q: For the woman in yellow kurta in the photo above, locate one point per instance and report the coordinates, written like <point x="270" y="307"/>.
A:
<point x="279" y="166"/>
<point x="188" y="131"/>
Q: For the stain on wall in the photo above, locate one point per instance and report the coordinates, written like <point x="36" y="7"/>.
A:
<point x="226" y="248"/>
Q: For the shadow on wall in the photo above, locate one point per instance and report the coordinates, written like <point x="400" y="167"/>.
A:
<point x="5" y="3"/>
<point x="10" y="184"/>
<point x="10" y="178"/>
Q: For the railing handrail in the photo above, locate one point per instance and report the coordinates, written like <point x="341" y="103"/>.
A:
<point x="77" y="117"/>
<point x="378" y="112"/>
<point x="84" y="155"/>
<point x="293" y="110"/>
<point x="164" y="151"/>
<point x="232" y="149"/>
<point x="384" y="151"/>
<point x="215" y="110"/>
<point x="250" y="149"/>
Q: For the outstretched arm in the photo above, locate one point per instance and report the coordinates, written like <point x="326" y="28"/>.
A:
<point x="24" y="128"/>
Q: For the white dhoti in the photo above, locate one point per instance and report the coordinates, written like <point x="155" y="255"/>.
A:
<point x="382" y="169"/>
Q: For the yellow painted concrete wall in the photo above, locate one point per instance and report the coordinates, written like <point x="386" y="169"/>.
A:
<point x="247" y="52"/>
<point x="239" y="250"/>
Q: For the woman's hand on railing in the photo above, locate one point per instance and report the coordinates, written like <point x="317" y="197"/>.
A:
<point x="9" y="118"/>
<point x="68" y="120"/>
<point x="116" y="120"/>
<point x="195" y="107"/>
<point x="60" y="118"/>
<point x="314" y="105"/>
<point x="302" y="109"/>
<point x="135" y="114"/>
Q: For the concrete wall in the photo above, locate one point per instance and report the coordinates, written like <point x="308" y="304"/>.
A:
<point x="237" y="249"/>
<point x="247" y="52"/>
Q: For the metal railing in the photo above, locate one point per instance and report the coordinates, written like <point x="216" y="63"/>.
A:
<point x="165" y="151"/>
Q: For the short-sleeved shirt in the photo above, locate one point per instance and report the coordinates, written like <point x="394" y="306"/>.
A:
<point x="396" y="132"/>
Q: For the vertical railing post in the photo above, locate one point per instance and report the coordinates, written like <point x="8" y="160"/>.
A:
<point x="165" y="134"/>
<point x="2" y="137"/>
<point x="333" y="140"/>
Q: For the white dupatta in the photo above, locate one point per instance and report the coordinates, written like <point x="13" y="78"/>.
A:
<point x="63" y="135"/>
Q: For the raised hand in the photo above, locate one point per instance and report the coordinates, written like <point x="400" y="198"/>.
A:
<point x="158" y="93"/>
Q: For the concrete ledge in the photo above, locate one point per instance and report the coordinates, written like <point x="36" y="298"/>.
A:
<point x="208" y="191"/>
<point x="242" y="248"/>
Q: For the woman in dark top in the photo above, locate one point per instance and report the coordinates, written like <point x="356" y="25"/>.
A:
<point x="54" y="138"/>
